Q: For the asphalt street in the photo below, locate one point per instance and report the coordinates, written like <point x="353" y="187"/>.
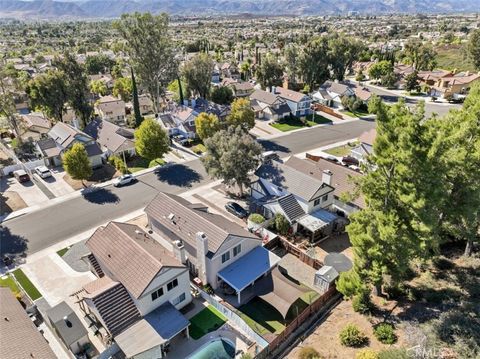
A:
<point x="430" y="108"/>
<point x="40" y="229"/>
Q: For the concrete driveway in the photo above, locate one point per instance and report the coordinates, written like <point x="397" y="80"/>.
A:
<point x="28" y="191"/>
<point x="56" y="185"/>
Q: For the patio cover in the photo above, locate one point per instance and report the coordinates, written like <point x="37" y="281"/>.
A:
<point x="317" y="220"/>
<point x="244" y="271"/>
<point x="279" y="290"/>
<point x="153" y="330"/>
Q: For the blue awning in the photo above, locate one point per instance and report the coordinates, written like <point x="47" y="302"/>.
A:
<point x="249" y="268"/>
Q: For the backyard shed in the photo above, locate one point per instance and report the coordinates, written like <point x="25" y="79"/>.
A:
<point x="324" y="277"/>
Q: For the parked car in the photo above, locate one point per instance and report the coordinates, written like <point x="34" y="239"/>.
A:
<point x="124" y="180"/>
<point x="181" y="139"/>
<point x="270" y="156"/>
<point x="21" y="176"/>
<point x="235" y="209"/>
<point x="349" y="160"/>
<point x="43" y="171"/>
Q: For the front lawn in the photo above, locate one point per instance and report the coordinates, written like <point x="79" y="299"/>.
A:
<point x="206" y="321"/>
<point x="262" y="317"/>
<point x="62" y="251"/>
<point x="294" y="123"/>
<point x="27" y="286"/>
<point x="9" y="282"/>
<point x="138" y="163"/>
<point x="341" y="151"/>
<point x="317" y="119"/>
<point x="355" y="114"/>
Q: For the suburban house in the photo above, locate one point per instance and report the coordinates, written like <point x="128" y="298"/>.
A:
<point x="140" y="288"/>
<point x="68" y="328"/>
<point x="213" y="246"/>
<point x="61" y="138"/>
<point x="239" y="88"/>
<point x="303" y="199"/>
<point x="19" y="337"/>
<point x="105" y="78"/>
<point x="33" y="126"/>
<point x="457" y="85"/>
<point x="331" y="93"/>
<point x="111" y="109"/>
<point x="229" y="70"/>
<point x="430" y="78"/>
<point x="269" y="106"/>
<point x="365" y="148"/>
<point x="146" y="104"/>
<point x="298" y="102"/>
<point x="113" y="139"/>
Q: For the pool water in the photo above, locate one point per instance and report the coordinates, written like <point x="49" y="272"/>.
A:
<point x="216" y="349"/>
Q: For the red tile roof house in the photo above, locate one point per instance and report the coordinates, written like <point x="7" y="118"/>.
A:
<point x="214" y="246"/>
<point x="140" y="288"/>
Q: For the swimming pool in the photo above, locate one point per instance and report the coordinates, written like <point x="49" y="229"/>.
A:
<point x="215" y="349"/>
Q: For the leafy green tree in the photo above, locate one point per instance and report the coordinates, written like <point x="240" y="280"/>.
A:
<point x="77" y="85"/>
<point x="222" y="95"/>
<point x="49" y="92"/>
<point x="473" y="48"/>
<point x="380" y="69"/>
<point x="174" y="88"/>
<point x="198" y="74"/>
<point x="7" y="106"/>
<point x="241" y="115"/>
<point x="136" y="104"/>
<point x="342" y="52"/>
<point x="419" y="55"/>
<point x="314" y="62"/>
<point x="281" y="224"/>
<point x="122" y="88"/>
<point x="151" y="51"/>
<point x="270" y="72"/>
<point x="98" y="64"/>
<point x="231" y="155"/>
<point x="206" y="125"/>
<point x="292" y="61"/>
<point x="389" y="79"/>
<point x="349" y="283"/>
<point x="151" y="140"/>
<point x="245" y="70"/>
<point x="411" y="82"/>
<point x="76" y="163"/>
<point x="98" y="87"/>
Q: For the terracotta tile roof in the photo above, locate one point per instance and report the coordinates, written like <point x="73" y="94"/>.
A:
<point x="130" y="255"/>
<point x="19" y="338"/>
<point x="187" y="219"/>
<point x="340" y="178"/>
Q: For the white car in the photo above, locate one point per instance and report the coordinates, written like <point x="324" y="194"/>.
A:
<point x="123" y="180"/>
<point x="43" y="171"/>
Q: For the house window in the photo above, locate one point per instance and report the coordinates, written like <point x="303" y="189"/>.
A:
<point x="157" y="294"/>
<point x="237" y="249"/>
<point x="316" y="202"/>
<point x="325" y="198"/>
<point x="225" y="257"/>
<point x="179" y="299"/>
<point x="172" y="284"/>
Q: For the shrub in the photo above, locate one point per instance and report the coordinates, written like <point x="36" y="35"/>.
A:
<point x="118" y="163"/>
<point x="256" y="218"/>
<point x="351" y="336"/>
<point x="361" y="302"/>
<point x="366" y="354"/>
<point x="385" y="333"/>
<point x="308" y="353"/>
<point x="281" y="224"/>
<point x="349" y="283"/>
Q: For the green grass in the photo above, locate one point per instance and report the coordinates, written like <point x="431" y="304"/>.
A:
<point x="9" y="282"/>
<point x="28" y="286"/>
<point x="293" y="123"/>
<point x="62" y="251"/>
<point x="355" y="114"/>
<point x="139" y="163"/>
<point x="200" y="148"/>
<point x="262" y="317"/>
<point x="453" y="57"/>
<point x="206" y="321"/>
<point x="341" y="151"/>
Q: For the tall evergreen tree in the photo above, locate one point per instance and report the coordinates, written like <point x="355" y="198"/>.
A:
<point x="136" y="104"/>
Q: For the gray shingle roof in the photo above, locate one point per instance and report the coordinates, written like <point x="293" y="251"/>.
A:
<point x="188" y="219"/>
<point x="290" y="179"/>
<point x="71" y="329"/>
<point x="19" y="338"/>
<point x="110" y="135"/>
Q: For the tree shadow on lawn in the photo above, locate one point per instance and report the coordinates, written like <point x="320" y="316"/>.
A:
<point x="101" y="196"/>
<point x="270" y="145"/>
<point x="12" y="244"/>
<point x="178" y="175"/>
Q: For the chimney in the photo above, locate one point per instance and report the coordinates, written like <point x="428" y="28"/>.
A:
<point x="202" y="250"/>
<point x="179" y="251"/>
<point x="274" y="89"/>
<point x="327" y="177"/>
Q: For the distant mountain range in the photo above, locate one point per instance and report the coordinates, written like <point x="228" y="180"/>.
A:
<point x="49" y="9"/>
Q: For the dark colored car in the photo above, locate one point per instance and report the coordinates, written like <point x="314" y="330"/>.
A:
<point x="235" y="209"/>
<point x="349" y="160"/>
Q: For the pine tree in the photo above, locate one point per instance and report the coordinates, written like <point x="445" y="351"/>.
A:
<point x="136" y="104"/>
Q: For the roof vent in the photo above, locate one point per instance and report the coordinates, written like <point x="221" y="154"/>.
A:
<point x="137" y="231"/>
<point x="171" y="216"/>
<point x="67" y="322"/>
